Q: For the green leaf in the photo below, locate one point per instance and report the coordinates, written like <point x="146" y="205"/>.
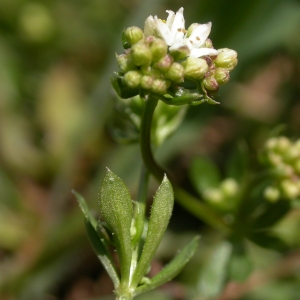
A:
<point x="160" y="215"/>
<point x="116" y="208"/>
<point x="240" y="265"/>
<point x="214" y="271"/>
<point x="204" y="174"/>
<point x="172" y="269"/>
<point x="102" y="253"/>
<point x="85" y="210"/>
<point x="273" y="212"/>
<point x="122" y="89"/>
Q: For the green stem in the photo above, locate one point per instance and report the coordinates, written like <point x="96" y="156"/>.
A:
<point x="186" y="200"/>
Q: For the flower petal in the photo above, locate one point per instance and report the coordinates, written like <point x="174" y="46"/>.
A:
<point x="170" y="18"/>
<point x="199" y="35"/>
<point x="163" y="30"/>
<point x="149" y="27"/>
<point x="198" y="52"/>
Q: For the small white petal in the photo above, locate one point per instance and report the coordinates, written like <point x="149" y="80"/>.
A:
<point x="199" y="35"/>
<point x="199" y="52"/>
<point x="149" y="27"/>
<point x="170" y="18"/>
<point x="163" y="31"/>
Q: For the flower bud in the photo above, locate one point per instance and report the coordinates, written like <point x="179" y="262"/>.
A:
<point x="164" y="63"/>
<point x="191" y="29"/>
<point x="290" y="189"/>
<point x="213" y="195"/>
<point x="159" y="86"/>
<point x="147" y="82"/>
<point x="208" y="44"/>
<point x="297" y="167"/>
<point x="226" y="59"/>
<point x="271" y="194"/>
<point x="159" y="49"/>
<point x="133" y="34"/>
<point x="195" y="68"/>
<point x="125" y="63"/>
<point x="141" y="54"/>
<point x="175" y="72"/>
<point x="283" y="144"/>
<point x="211" y="84"/>
<point x="133" y="78"/>
<point x="221" y="75"/>
<point x="180" y="53"/>
<point x="229" y="187"/>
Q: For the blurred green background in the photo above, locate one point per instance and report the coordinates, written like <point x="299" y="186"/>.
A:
<point x="56" y="58"/>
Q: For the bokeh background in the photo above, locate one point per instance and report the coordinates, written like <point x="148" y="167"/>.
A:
<point x="56" y="58"/>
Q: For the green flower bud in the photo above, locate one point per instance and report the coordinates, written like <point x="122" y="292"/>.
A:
<point x="221" y="75"/>
<point x="164" y="63"/>
<point x="211" y="84"/>
<point x="195" y="68"/>
<point x="191" y="29"/>
<point x="213" y="195"/>
<point x="208" y="44"/>
<point x="229" y="187"/>
<point x="132" y="78"/>
<point x="148" y="70"/>
<point x="159" y="49"/>
<point x="283" y="144"/>
<point x="133" y="34"/>
<point x="226" y="59"/>
<point x="160" y="86"/>
<point x="180" y="53"/>
<point x="274" y="159"/>
<point x="271" y="194"/>
<point x="125" y="63"/>
<point x="147" y="82"/>
<point x="141" y="54"/>
<point x="175" y="72"/>
<point x="290" y="189"/>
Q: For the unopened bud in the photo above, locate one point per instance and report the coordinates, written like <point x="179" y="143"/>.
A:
<point x="180" y="53"/>
<point x="211" y="84"/>
<point x="226" y="59"/>
<point x="213" y="195"/>
<point x="229" y="187"/>
<point x="195" y="68"/>
<point x="133" y="78"/>
<point x="141" y="54"/>
<point x="208" y="44"/>
<point x="191" y="29"/>
<point x="283" y="144"/>
<point x="159" y="49"/>
<point x="159" y="86"/>
<point x="125" y="63"/>
<point x="290" y="189"/>
<point x="175" y="72"/>
<point x="297" y="167"/>
<point x="133" y="34"/>
<point x="164" y="63"/>
<point x="221" y="75"/>
<point x="271" y="194"/>
<point x="147" y="82"/>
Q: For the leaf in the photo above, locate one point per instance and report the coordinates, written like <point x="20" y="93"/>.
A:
<point x="273" y="212"/>
<point x="102" y="253"/>
<point x="85" y="210"/>
<point x="204" y="174"/>
<point x="172" y="269"/>
<point x="240" y="266"/>
<point x="160" y="215"/>
<point x="214" y="271"/>
<point x="116" y="208"/>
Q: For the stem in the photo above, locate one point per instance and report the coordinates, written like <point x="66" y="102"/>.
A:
<point x="186" y="200"/>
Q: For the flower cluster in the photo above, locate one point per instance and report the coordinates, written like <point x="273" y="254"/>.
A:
<point x="164" y="55"/>
<point x="283" y="157"/>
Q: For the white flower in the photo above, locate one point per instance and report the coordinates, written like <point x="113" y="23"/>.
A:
<point x="174" y="34"/>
